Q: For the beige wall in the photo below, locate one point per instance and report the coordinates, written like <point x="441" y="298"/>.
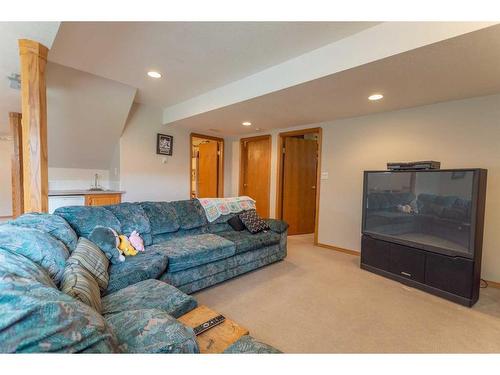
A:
<point x="464" y="133"/>
<point x="144" y="175"/>
<point x="6" y="149"/>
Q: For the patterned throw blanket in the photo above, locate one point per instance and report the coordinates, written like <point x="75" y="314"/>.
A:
<point x="216" y="207"/>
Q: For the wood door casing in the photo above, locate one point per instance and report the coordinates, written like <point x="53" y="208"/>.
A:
<point x="255" y="171"/>
<point x="300" y="163"/>
<point x="208" y="170"/>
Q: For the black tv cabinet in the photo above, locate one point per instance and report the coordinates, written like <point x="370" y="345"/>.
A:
<point x="456" y="278"/>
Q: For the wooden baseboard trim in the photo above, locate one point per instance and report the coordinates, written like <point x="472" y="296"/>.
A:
<point x="493" y="284"/>
<point x="6" y="217"/>
<point x="340" y="249"/>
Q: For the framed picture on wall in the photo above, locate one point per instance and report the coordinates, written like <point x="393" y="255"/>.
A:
<point x="164" y="144"/>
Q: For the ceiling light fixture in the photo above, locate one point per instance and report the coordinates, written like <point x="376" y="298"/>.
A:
<point x="375" y="97"/>
<point x="154" y="74"/>
<point x="246" y="123"/>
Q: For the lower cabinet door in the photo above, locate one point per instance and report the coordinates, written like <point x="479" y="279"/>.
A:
<point x="375" y="253"/>
<point x="407" y="262"/>
<point x="454" y="275"/>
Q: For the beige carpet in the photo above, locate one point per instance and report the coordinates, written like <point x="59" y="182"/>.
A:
<point x="320" y="301"/>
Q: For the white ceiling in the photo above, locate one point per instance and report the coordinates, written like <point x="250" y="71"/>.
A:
<point x="10" y="32"/>
<point x="456" y="68"/>
<point x="194" y="57"/>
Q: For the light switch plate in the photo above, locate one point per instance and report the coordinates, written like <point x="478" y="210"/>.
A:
<point x="324" y="175"/>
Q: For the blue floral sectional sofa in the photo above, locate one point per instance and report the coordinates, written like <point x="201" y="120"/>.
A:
<point x="145" y="294"/>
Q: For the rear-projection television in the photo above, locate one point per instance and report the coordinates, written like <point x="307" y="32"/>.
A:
<point x="423" y="218"/>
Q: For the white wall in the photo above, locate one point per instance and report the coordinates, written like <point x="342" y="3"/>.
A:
<point x="77" y="178"/>
<point x="86" y="115"/>
<point x="6" y="149"/>
<point x="463" y="133"/>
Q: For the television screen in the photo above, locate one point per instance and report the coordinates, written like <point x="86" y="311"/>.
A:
<point x="431" y="209"/>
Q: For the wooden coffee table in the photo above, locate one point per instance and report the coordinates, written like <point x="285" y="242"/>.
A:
<point x="218" y="338"/>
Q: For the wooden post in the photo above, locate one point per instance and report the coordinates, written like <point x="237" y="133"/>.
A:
<point x="17" y="164"/>
<point x="34" y="125"/>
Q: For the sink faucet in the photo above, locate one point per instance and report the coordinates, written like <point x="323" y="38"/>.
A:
<point x="96" y="183"/>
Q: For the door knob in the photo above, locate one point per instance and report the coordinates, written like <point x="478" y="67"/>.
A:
<point x="313" y="187"/>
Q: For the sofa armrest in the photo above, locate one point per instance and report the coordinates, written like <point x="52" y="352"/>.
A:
<point x="278" y="226"/>
<point x="151" y="331"/>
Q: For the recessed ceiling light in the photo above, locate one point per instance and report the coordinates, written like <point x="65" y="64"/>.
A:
<point x="246" y="123"/>
<point x="154" y="74"/>
<point x="375" y="97"/>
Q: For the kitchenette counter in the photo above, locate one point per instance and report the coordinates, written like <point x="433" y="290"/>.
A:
<point x="65" y="193"/>
<point x="63" y="198"/>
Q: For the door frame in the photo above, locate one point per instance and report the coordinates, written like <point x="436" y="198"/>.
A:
<point x="279" y="178"/>
<point x="240" y="178"/>
<point x="220" y="180"/>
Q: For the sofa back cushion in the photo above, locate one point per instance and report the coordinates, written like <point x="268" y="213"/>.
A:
<point x="54" y="225"/>
<point x="162" y="217"/>
<point x="41" y="248"/>
<point x="190" y="213"/>
<point x="79" y="283"/>
<point x="83" y="219"/>
<point x="36" y="318"/>
<point x="15" y="264"/>
<point x="132" y="217"/>
<point x="89" y="256"/>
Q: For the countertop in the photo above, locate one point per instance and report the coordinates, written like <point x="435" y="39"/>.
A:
<point x="82" y="192"/>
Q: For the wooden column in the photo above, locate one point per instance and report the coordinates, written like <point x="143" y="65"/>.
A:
<point x="17" y="164"/>
<point x="34" y="125"/>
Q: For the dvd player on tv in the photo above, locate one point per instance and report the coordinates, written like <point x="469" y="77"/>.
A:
<point x="413" y="165"/>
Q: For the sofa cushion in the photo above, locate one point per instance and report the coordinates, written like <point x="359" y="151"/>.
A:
<point x="190" y="213"/>
<point x="83" y="219"/>
<point x="245" y="241"/>
<point x="191" y="251"/>
<point x="152" y="331"/>
<point x="253" y="222"/>
<point x="89" y="256"/>
<point x="131" y="217"/>
<point x="248" y="345"/>
<point x="162" y="217"/>
<point x="149" y="294"/>
<point x="149" y="264"/>
<point x="107" y="240"/>
<point x="278" y="226"/>
<point x="159" y="238"/>
<point x="54" y="225"/>
<point x="36" y="318"/>
<point x="41" y="248"/>
<point x="236" y="223"/>
<point x="18" y="265"/>
<point x="79" y="283"/>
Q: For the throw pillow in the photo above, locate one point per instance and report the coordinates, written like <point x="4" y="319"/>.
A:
<point x="253" y="222"/>
<point x="79" y="283"/>
<point x="89" y="256"/>
<point x="236" y="223"/>
<point x="107" y="240"/>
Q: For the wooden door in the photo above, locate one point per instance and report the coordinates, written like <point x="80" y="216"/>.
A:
<point x="300" y="162"/>
<point x="208" y="169"/>
<point x="255" y="176"/>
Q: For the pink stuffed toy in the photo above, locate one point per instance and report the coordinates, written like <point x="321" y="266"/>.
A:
<point x="136" y="241"/>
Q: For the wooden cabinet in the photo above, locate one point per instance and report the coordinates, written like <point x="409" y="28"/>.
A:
<point x="102" y="199"/>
